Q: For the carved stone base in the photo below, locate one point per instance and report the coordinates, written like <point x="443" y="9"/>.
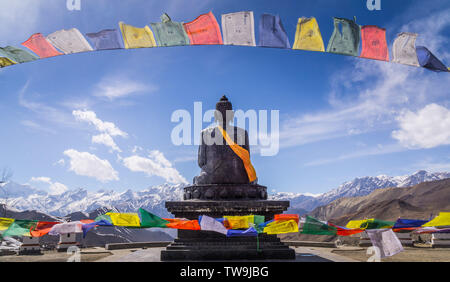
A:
<point x="225" y="192"/>
<point x="207" y="245"/>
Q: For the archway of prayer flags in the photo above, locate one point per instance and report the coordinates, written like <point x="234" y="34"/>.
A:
<point x="238" y="28"/>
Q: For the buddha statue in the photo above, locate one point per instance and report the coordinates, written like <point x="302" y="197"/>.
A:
<point x="224" y="151"/>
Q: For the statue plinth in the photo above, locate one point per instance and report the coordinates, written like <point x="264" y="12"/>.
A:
<point x="225" y="192"/>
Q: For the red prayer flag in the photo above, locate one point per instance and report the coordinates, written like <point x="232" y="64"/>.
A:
<point x="185" y="224"/>
<point x="374" y="44"/>
<point x="204" y="30"/>
<point x="39" y="45"/>
<point x="345" y="231"/>
<point x="42" y="228"/>
<point x="286" y="217"/>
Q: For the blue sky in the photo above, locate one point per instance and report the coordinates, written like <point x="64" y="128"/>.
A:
<point x="340" y="117"/>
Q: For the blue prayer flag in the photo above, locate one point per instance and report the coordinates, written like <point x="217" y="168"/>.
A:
<point x="106" y="39"/>
<point x="89" y="226"/>
<point x="251" y="232"/>
<point x="429" y="61"/>
<point x="408" y="223"/>
<point x="272" y="33"/>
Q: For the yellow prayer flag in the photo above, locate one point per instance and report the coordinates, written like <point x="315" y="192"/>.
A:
<point x="136" y="37"/>
<point x="308" y="36"/>
<point x="125" y="219"/>
<point x="5" y="223"/>
<point x="443" y="219"/>
<point x="4" y="62"/>
<point x="240" y="222"/>
<point x="354" y="224"/>
<point x="280" y="227"/>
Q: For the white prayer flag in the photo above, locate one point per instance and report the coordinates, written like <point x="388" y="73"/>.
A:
<point x="69" y="41"/>
<point x="404" y="49"/>
<point x="67" y="227"/>
<point x="210" y="224"/>
<point x="238" y="29"/>
<point x="385" y="240"/>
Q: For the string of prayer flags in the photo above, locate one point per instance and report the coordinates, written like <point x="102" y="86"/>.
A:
<point x="343" y="231"/>
<point x="238" y="28"/>
<point x="41" y="46"/>
<point x="376" y="224"/>
<point x="66" y="227"/>
<point x="443" y="219"/>
<point x="5" y="62"/>
<point x="286" y="217"/>
<point x="385" y="241"/>
<point x="272" y="33"/>
<point x="316" y="227"/>
<point x="42" y="228"/>
<point x="208" y="223"/>
<point x="136" y="37"/>
<point x="69" y="41"/>
<point x="250" y="232"/>
<point x="124" y="219"/>
<point x="404" y="49"/>
<point x="107" y="39"/>
<point x="17" y="55"/>
<point x="169" y="33"/>
<point x="281" y="227"/>
<point x="20" y="227"/>
<point x="149" y="220"/>
<point x="185" y="224"/>
<point x="345" y="38"/>
<point x="308" y="36"/>
<point x="374" y="44"/>
<point x="204" y="30"/>
<point x="428" y="60"/>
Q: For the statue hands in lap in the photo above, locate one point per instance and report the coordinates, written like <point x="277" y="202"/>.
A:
<point x="219" y="161"/>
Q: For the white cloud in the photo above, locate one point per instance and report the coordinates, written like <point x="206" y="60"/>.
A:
<point x="102" y="126"/>
<point x="55" y="188"/>
<point x="114" y="87"/>
<point x="106" y="140"/>
<point x="61" y="162"/>
<point x="43" y="179"/>
<point x="155" y="164"/>
<point x="86" y="164"/>
<point x="428" y="128"/>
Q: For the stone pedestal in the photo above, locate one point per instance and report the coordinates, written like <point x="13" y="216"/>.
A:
<point x="207" y="245"/>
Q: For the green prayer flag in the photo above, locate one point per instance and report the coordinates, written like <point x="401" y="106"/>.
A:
<point x="169" y="33"/>
<point x="20" y="228"/>
<point x="377" y="224"/>
<point x="17" y="55"/>
<point x="345" y="40"/>
<point x="104" y="217"/>
<point x="257" y="220"/>
<point x="316" y="227"/>
<point x="150" y="220"/>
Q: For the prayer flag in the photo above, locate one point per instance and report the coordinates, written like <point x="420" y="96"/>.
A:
<point x="104" y="217"/>
<point x="443" y="219"/>
<point x="69" y="41"/>
<point x="376" y="224"/>
<point x="17" y="55"/>
<point x="20" y="228"/>
<point x="280" y="227"/>
<point x="385" y="241"/>
<point x="308" y="36"/>
<point x="41" y="46"/>
<point x="374" y="44"/>
<point x="204" y="30"/>
<point x="42" y="228"/>
<point x="238" y="29"/>
<point x="343" y="231"/>
<point x="404" y="49"/>
<point x="135" y="37"/>
<point x="208" y="223"/>
<point x="345" y="38"/>
<point x="169" y="33"/>
<point x="88" y="226"/>
<point x="250" y="232"/>
<point x="239" y="221"/>
<point x="285" y="217"/>
<point x="185" y="224"/>
<point x="66" y="227"/>
<point x="258" y="219"/>
<point x="354" y="224"/>
<point x="5" y="223"/>
<point x="107" y="39"/>
<point x="429" y="61"/>
<point x="272" y="33"/>
<point x="150" y="220"/>
<point x="316" y="227"/>
<point x="4" y="62"/>
<point x="124" y="219"/>
<point x="408" y="223"/>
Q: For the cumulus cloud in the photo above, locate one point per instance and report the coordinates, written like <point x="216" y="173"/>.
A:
<point x="102" y="126"/>
<point x="428" y="128"/>
<point x="155" y="164"/>
<point x="55" y="188"/>
<point x="106" y="140"/>
<point x="86" y="164"/>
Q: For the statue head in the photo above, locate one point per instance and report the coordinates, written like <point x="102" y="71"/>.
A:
<point x="224" y="111"/>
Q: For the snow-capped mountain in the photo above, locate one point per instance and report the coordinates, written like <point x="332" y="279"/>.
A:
<point x="360" y="186"/>
<point x="25" y="197"/>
